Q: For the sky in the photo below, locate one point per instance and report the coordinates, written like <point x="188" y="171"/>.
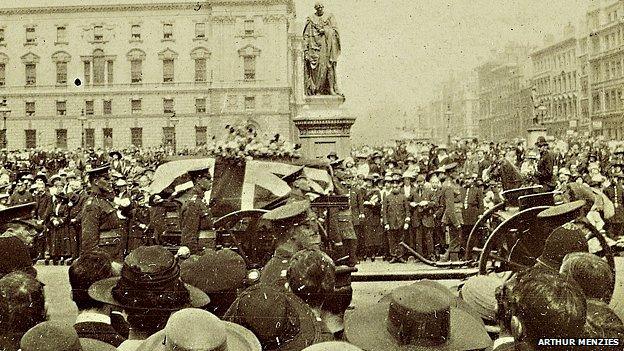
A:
<point x="395" y="52"/>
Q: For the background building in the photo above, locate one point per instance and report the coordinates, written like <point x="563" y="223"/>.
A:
<point x="173" y="73"/>
<point x="605" y="22"/>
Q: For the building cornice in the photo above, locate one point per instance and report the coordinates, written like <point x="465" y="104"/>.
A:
<point x="28" y="10"/>
<point x="553" y="47"/>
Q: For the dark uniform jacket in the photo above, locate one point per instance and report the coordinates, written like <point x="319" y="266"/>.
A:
<point x="472" y="204"/>
<point x="20" y="198"/>
<point x="395" y="210"/>
<point x="450" y="193"/>
<point x="44" y="206"/>
<point x="195" y="217"/>
<point x="545" y="170"/>
<point x="102" y="228"/>
<point x="356" y="200"/>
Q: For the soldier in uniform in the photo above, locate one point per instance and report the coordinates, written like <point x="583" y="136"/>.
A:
<point x="75" y="205"/>
<point x="615" y="193"/>
<point x="340" y="225"/>
<point x="472" y="208"/>
<point x="195" y="217"/>
<point x="396" y="219"/>
<point x="102" y="226"/>
<point x="545" y="165"/>
<point x="294" y="230"/>
<point x="451" y="216"/>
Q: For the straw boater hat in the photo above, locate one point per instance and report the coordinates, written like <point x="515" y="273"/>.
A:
<point x="416" y="317"/>
<point x="150" y="280"/>
<point x="193" y="329"/>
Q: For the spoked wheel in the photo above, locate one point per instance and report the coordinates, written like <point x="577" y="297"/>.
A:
<point x="518" y="242"/>
<point x="482" y="230"/>
<point x="244" y="232"/>
<point x="594" y="236"/>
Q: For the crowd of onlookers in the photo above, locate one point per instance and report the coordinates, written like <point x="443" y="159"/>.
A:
<point x="425" y="196"/>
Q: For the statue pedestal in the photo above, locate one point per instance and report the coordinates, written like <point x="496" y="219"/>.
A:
<point x="533" y="133"/>
<point x="324" y="126"/>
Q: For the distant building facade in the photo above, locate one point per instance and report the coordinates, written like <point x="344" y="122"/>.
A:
<point x="173" y="73"/>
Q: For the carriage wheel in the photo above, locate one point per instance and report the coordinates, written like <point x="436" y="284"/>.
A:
<point x="489" y="219"/>
<point x="506" y="251"/>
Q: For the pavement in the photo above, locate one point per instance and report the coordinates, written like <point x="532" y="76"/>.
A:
<point x="61" y="308"/>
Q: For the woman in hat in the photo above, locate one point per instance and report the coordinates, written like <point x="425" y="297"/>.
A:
<point x="148" y="290"/>
<point x="371" y="220"/>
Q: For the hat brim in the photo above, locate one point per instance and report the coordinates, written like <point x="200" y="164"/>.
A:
<point x="88" y="344"/>
<point x="102" y="291"/>
<point x="238" y="338"/>
<point x="309" y="329"/>
<point x="366" y="328"/>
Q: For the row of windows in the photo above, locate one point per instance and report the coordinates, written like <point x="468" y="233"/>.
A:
<point x="560" y="60"/>
<point x="136" y="137"/>
<point x="611" y="100"/>
<point x="135" y="106"/>
<point x="100" y="70"/>
<point x="135" y="32"/>
<point x="608" y="69"/>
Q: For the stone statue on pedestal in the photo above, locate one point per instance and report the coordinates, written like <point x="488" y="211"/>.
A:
<point x="321" y="48"/>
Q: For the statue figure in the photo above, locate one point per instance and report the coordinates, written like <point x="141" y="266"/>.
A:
<point x="321" y="51"/>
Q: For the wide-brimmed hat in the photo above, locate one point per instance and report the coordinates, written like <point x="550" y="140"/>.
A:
<point x="217" y="273"/>
<point x="279" y="319"/>
<point x="193" y="329"/>
<point x="479" y="292"/>
<point x="150" y="280"/>
<point x="115" y="153"/>
<point x="541" y="141"/>
<point x="564" y="170"/>
<point x="42" y="176"/>
<point x="333" y="346"/>
<point x="416" y="317"/>
<point x="55" y="336"/>
<point x="565" y="239"/>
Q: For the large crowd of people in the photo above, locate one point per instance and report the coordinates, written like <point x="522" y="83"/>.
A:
<point x="93" y="211"/>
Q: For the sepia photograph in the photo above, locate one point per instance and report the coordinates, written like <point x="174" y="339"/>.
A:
<point x="303" y="175"/>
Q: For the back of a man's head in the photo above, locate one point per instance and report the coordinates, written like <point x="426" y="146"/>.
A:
<point x="312" y="276"/>
<point x="86" y="270"/>
<point x="22" y="302"/>
<point x="591" y="273"/>
<point x="547" y="306"/>
<point x="602" y="322"/>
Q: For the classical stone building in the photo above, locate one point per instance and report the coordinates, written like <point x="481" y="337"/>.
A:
<point x="605" y="21"/>
<point x="107" y="74"/>
<point x="556" y="81"/>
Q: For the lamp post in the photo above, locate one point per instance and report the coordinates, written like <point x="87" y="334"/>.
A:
<point x="5" y="112"/>
<point x="82" y="120"/>
<point x="448" y="125"/>
<point x="173" y="120"/>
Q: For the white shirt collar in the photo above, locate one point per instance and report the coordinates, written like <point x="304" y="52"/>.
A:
<point x="90" y="316"/>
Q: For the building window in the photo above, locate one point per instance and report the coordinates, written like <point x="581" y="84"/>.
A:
<point x="135" y="32"/>
<point x="31" y="138"/>
<point x="200" y="70"/>
<point x="61" y="34"/>
<point x="250" y="102"/>
<point x="168" y="106"/>
<point x="61" y="108"/>
<point x="89" y="138"/>
<point x="250" y="67"/>
<point x="31" y="74"/>
<point x="2" y="74"/>
<point x="61" y="138"/>
<point x="99" y="63"/>
<point x="110" y="71"/>
<point x="30" y="108"/>
<point x="1" y="35"/>
<point x="200" y="105"/>
<point x="89" y="107"/>
<point x="107" y="134"/>
<point x="167" y="31"/>
<point x="250" y="27"/>
<point x="136" y="106"/>
<point x="61" y="73"/>
<point x="98" y="33"/>
<point x="107" y="107"/>
<point x="136" y="136"/>
<point x="201" y="136"/>
<point x="136" y="71"/>
<point x="200" y="30"/>
<point x="87" y="72"/>
<point x="30" y="35"/>
<point x="168" y="70"/>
